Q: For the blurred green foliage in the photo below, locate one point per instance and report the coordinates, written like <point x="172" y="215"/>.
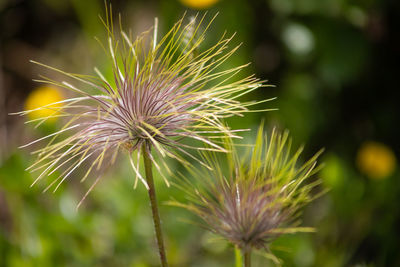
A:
<point x="334" y="66"/>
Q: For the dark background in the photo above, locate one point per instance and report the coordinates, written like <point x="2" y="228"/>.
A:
<point x="335" y="64"/>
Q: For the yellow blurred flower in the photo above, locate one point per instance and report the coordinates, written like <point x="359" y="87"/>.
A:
<point x="41" y="98"/>
<point x="376" y="160"/>
<point x="199" y="4"/>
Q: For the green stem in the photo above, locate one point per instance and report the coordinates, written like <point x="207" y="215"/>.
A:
<point x="238" y="257"/>
<point x="154" y="206"/>
<point x="247" y="258"/>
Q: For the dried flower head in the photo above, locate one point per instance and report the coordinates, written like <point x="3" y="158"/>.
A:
<point x="161" y="92"/>
<point x="255" y="199"/>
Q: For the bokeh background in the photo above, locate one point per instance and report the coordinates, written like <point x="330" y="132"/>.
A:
<point x="335" y="64"/>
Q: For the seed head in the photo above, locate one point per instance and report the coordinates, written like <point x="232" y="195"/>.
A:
<point x="256" y="198"/>
<point x="161" y="93"/>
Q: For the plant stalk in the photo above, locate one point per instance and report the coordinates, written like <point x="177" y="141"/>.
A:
<point x="238" y="257"/>
<point x="154" y="206"/>
<point x="247" y="258"/>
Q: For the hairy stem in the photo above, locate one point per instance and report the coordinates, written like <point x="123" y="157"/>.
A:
<point x="154" y="206"/>
<point x="247" y="258"/>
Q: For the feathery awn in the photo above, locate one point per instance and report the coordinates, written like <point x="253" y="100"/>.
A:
<point x="257" y="197"/>
<point x="161" y="93"/>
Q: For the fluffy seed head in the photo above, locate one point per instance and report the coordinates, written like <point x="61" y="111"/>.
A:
<point x="161" y="92"/>
<point x="256" y="198"/>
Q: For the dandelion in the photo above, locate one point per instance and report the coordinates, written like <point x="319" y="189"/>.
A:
<point x="160" y="94"/>
<point x="254" y="201"/>
<point x="199" y="4"/>
<point x="376" y="160"/>
<point x="43" y="96"/>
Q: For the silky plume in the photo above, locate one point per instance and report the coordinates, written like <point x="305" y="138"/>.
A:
<point x="161" y="93"/>
<point x="251" y="198"/>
